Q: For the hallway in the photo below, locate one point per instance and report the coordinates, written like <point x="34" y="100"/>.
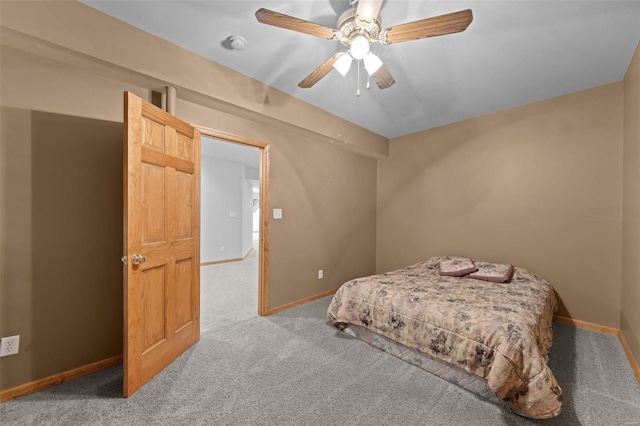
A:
<point x="229" y="291"/>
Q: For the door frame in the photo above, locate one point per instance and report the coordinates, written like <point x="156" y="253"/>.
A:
<point x="263" y="250"/>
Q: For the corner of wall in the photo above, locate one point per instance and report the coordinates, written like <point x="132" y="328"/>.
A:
<point x="630" y="289"/>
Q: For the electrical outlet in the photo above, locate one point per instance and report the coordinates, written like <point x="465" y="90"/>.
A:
<point x="9" y="345"/>
<point x="221" y="248"/>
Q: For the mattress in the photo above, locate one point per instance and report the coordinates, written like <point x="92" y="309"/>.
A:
<point x="498" y="331"/>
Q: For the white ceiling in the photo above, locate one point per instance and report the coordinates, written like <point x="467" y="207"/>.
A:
<point x="243" y="154"/>
<point x="513" y="53"/>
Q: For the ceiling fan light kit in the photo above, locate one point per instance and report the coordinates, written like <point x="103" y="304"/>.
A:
<point x="357" y="29"/>
<point x="359" y="47"/>
<point x="343" y="64"/>
<point x="372" y="63"/>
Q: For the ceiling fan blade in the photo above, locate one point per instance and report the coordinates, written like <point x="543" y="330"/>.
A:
<point x="383" y="77"/>
<point x="320" y="72"/>
<point x="430" y="27"/>
<point x="368" y="10"/>
<point x="281" y="20"/>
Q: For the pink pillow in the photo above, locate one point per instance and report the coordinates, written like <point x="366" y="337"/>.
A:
<point x="493" y="272"/>
<point x="457" y="267"/>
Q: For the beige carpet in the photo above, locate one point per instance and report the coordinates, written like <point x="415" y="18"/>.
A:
<point x="229" y="291"/>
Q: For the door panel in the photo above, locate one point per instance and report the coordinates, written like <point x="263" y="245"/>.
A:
<point x="153" y="137"/>
<point x="153" y="302"/>
<point x="184" y="195"/>
<point x="162" y="234"/>
<point x="153" y="202"/>
<point x="183" y="294"/>
<point x="185" y="147"/>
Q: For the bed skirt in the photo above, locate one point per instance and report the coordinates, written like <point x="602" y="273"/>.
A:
<point x="456" y="375"/>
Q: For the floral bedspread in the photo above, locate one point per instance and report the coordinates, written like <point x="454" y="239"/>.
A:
<point x="499" y="331"/>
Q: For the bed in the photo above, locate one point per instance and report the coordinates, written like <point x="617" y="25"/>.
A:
<point x="483" y="326"/>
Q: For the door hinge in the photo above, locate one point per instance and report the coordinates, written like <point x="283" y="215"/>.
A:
<point x="124" y="260"/>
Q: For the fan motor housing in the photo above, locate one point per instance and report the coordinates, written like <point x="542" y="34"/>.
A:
<point x="348" y="27"/>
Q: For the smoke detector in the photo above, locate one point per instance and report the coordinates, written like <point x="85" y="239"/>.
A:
<point x="235" y="42"/>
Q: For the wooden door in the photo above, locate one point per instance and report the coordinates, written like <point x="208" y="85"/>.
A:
<point x="161" y="240"/>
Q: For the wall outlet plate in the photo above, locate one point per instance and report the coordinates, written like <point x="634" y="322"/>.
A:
<point x="9" y="345"/>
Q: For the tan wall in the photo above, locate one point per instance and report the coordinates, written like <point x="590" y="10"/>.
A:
<point x="61" y="210"/>
<point x="538" y="186"/>
<point x="630" y="314"/>
<point x="61" y="240"/>
<point x="61" y="174"/>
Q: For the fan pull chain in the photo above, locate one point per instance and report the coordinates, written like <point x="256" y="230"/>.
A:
<point x="358" y="91"/>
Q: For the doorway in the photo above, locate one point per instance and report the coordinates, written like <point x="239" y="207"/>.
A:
<point x="234" y="231"/>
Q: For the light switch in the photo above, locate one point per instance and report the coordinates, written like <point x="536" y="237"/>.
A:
<point x="277" y="213"/>
<point x="233" y="214"/>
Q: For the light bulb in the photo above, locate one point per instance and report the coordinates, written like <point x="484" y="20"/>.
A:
<point x="359" y="47"/>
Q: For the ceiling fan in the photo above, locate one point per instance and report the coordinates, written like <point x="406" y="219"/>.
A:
<point x="357" y="29"/>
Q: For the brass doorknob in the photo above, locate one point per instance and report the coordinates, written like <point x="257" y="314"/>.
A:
<point x="137" y="259"/>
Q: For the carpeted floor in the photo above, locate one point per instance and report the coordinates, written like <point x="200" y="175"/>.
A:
<point x="293" y="369"/>
<point x="229" y="291"/>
